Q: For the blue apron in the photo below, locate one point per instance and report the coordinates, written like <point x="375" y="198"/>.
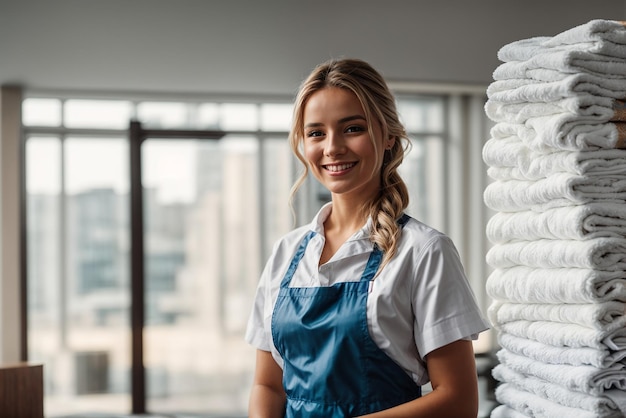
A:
<point x="332" y="367"/>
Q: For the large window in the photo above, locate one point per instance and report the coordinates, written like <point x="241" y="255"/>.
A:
<point x="212" y="211"/>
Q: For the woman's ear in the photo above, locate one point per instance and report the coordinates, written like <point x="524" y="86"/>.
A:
<point x="390" y="142"/>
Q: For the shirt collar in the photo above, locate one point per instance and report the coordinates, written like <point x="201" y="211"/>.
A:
<point x="317" y="224"/>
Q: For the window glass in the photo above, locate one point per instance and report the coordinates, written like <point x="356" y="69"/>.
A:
<point x="422" y="114"/>
<point x="41" y="112"/>
<point x="278" y="169"/>
<point x="202" y="265"/>
<point x="78" y="272"/>
<point x="96" y="163"/>
<point x="276" y="117"/>
<point x="43" y="165"/>
<point x="239" y="117"/>
<point x="208" y="116"/>
<point x="47" y="318"/>
<point x="104" y="114"/>
<point x="163" y="114"/>
<point x="424" y="174"/>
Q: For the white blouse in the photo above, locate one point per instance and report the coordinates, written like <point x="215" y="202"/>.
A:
<point x="419" y="302"/>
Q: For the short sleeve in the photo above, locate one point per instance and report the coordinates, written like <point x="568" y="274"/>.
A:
<point x="256" y="333"/>
<point x="444" y="304"/>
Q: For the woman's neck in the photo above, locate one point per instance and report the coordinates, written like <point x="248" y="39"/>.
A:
<point x="342" y="222"/>
<point x="345" y="218"/>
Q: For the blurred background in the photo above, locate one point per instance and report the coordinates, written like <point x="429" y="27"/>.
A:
<point x="130" y="254"/>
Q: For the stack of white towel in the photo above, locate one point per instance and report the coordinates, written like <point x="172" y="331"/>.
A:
<point x="557" y="157"/>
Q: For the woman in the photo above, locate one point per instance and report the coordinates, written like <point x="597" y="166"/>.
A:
<point x="357" y="310"/>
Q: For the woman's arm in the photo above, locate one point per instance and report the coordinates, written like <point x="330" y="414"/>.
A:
<point x="452" y="371"/>
<point x="267" y="397"/>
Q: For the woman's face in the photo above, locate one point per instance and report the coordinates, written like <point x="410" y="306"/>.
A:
<point x="337" y="144"/>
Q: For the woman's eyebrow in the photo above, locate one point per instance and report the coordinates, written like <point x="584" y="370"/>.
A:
<point x="350" y="118"/>
<point x="342" y="120"/>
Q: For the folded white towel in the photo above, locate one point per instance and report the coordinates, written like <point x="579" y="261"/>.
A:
<point x="504" y="411"/>
<point x="592" y="31"/>
<point x="563" y="131"/>
<point x="520" y="284"/>
<point x="572" y="59"/>
<point x="601" y="316"/>
<point x="570" y="335"/>
<point x="586" y="379"/>
<point x="510" y="159"/>
<point x="574" y="356"/>
<point x="532" y="405"/>
<point x="607" y="254"/>
<point x="526" y="51"/>
<point x="504" y="152"/>
<point x="589" y="35"/>
<point x="525" y="90"/>
<point x="512" y="70"/>
<point x="580" y="222"/>
<point x="585" y="107"/>
<point x="601" y="406"/>
<point x="557" y="190"/>
<point x="607" y="41"/>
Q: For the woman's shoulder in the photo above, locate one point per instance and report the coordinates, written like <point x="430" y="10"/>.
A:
<point x="417" y="230"/>
<point x="419" y="237"/>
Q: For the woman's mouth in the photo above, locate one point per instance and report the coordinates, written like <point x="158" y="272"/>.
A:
<point x="336" y="168"/>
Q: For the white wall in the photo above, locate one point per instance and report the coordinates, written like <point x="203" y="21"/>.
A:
<point x="266" y="46"/>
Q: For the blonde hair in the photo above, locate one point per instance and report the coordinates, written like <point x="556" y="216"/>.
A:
<point x="379" y="105"/>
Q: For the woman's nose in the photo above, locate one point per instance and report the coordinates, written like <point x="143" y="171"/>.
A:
<point x="335" y="144"/>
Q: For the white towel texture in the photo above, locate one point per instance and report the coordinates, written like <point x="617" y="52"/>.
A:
<point x="504" y="411"/>
<point x="524" y="90"/>
<point x="567" y="335"/>
<point x="600" y="36"/>
<point x="578" y="222"/>
<point x="510" y="159"/>
<point x="585" y="107"/>
<point x="521" y="70"/>
<point x="600" y="316"/>
<point x="571" y="59"/>
<point x="521" y="284"/>
<point x="563" y="131"/>
<point x="607" y="254"/>
<point x="560" y="189"/>
<point x="600" y="406"/>
<point x="595" y="30"/>
<point x="536" y="406"/>
<point x="586" y="379"/>
<point x="574" y="356"/>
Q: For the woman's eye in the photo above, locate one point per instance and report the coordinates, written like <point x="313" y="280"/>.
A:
<point x="355" y="129"/>
<point x="312" y="134"/>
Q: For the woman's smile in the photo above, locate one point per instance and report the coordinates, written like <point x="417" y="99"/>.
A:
<point x="338" y="168"/>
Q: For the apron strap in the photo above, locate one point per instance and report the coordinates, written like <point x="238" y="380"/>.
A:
<point x="296" y="259"/>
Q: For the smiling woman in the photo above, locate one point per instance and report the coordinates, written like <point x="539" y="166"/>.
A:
<point x="351" y="317"/>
